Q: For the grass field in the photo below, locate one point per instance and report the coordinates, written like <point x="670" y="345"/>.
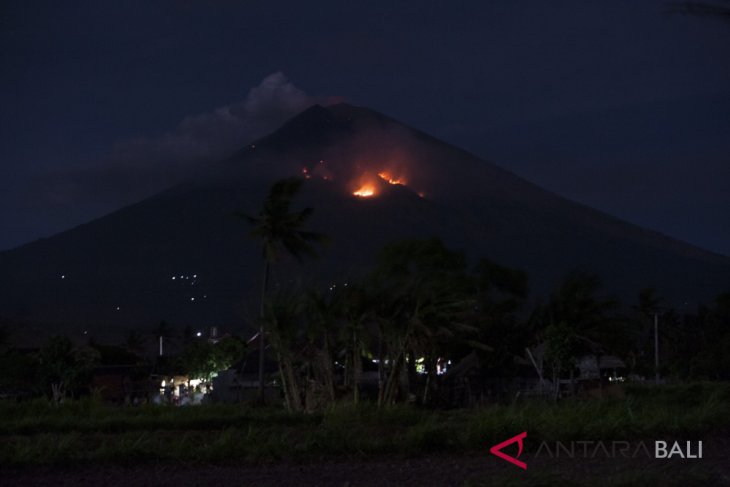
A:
<point x="83" y="432"/>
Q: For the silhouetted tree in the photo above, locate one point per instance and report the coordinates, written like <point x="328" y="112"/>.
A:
<point x="135" y="342"/>
<point x="62" y="366"/>
<point x="560" y="351"/>
<point x="285" y="326"/>
<point x="275" y="227"/>
<point x="202" y="359"/>
<point x="500" y="293"/>
<point x="579" y="303"/>
<point x="427" y="307"/>
<point x="641" y="333"/>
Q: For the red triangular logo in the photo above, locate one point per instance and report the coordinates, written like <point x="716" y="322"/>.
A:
<point x="496" y="450"/>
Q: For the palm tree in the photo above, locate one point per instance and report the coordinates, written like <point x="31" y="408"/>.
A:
<point x="579" y="319"/>
<point x="425" y="311"/>
<point x="63" y="366"/>
<point x="301" y="329"/>
<point x="356" y="305"/>
<point x="135" y="342"/>
<point x="276" y="226"/>
<point x="580" y="304"/>
<point x="323" y="319"/>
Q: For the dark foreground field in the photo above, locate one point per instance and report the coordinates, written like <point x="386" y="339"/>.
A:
<point x="445" y="470"/>
<point x="475" y="469"/>
<point x="84" y="443"/>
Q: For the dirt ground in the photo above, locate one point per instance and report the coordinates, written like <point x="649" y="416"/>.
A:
<point x="474" y="470"/>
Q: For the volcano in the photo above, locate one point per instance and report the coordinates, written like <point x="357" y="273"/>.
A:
<point x="181" y="255"/>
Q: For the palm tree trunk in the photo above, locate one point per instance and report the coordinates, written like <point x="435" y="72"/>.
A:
<point x="356" y="368"/>
<point x="262" y="345"/>
<point x="572" y="382"/>
<point x="285" y="386"/>
<point x="381" y="369"/>
<point x="295" y="393"/>
<point x="430" y="365"/>
<point x="348" y="370"/>
<point x="58" y="390"/>
<point x="393" y="379"/>
<point x="329" y="381"/>
<point x="392" y="385"/>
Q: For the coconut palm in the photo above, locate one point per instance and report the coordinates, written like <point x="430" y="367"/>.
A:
<point x="134" y="342"/>
<point x="357" y="306"/>
<point x="275" y="227"/>
<point x="425" y="310"/>
<point x="594" y="317"/>
<point x="62" y="366"/>
<point x="577" y="319"/>
<point x="323" y="319"/>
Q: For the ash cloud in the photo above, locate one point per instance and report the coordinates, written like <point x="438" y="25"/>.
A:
<point x="138" y="167"/>
<point x="218" y="133"/>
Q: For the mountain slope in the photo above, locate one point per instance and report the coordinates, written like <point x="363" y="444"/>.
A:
<point x="181" y="255"/>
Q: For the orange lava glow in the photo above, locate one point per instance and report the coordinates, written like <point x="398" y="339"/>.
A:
<point x="386" y="176"/>
<point x="365" y="191"/>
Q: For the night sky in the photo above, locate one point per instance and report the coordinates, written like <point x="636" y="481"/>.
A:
<point x="620" y="105"/>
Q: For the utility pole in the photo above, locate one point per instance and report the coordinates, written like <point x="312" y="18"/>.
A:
<point x="656" y="347"/>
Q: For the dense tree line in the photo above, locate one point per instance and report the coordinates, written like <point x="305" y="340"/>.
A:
<point x="422" y="304"/>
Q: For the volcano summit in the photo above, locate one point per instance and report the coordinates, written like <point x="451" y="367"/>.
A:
<point x="183" y="257"/>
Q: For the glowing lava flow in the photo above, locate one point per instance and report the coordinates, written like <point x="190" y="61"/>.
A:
<point x="390" y="179"/>
<point x="365" y="191"/>
<point x="369" y="186"/>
